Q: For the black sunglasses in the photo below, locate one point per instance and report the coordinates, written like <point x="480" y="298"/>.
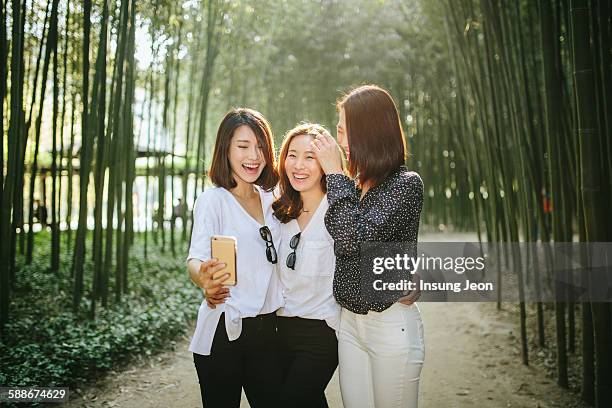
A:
<point x="266" y="235"/>
<point x="295" y="240"/>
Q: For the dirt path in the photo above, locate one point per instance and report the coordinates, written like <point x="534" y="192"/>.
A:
<point x="472" y="359"/>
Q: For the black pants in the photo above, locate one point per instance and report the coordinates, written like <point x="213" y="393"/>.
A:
<point x="309" y="357"/>
<point x="249" y="362"/>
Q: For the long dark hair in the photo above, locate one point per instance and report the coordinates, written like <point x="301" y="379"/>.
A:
<point x="289" y="205"/>
<point x="220" y="170"/>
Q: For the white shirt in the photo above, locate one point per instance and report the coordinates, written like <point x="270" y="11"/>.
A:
<point x="307" y="290"/>
<point x="258" y="290"/>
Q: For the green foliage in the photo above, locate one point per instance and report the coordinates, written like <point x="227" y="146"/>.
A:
<point x="48" y="345"/>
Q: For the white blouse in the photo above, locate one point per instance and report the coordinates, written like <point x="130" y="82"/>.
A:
<point x="307" y="290"/>
<point x="258" y="290"/>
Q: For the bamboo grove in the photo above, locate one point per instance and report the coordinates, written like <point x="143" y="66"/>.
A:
<point x="111" y="106"/>
<point x="526" y="113"/>
<point x="92" y="129"/>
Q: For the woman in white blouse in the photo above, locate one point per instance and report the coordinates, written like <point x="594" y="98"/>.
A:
<point x="308" y="321"/>
<point x="234" y="341"/>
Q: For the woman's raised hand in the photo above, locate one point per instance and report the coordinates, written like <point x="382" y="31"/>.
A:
<point x="211" y="281"/>
<point x="328" y="153"/>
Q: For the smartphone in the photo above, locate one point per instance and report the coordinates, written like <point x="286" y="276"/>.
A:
<point x="224" y="249"/>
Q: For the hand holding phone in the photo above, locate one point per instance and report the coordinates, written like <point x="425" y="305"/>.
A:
<point x="211" y="279"/>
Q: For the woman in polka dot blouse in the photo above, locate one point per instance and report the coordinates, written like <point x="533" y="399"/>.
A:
<point x="380" y="340"/>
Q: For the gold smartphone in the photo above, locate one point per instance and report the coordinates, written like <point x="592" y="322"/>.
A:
<point x="224" y="249"/>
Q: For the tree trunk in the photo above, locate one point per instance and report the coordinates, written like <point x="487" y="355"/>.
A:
<point x="3" y="88"/>
<point x="593" y="184"/>
<point x="99" y="121"/>
<point x="84" y="168"/>
<point x="552" y="81"/>
<point x="114" y="159"/>
<point x="55" y="236"/>
<point x="8" y="191"/>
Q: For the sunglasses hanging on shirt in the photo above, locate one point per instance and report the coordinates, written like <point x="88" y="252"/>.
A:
<point x="266" y="235"/>
<point x="295" y="240"/>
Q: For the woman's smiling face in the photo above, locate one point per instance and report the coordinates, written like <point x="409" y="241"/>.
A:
<point x="246" y="155"/>
<point x="301" y="166"/>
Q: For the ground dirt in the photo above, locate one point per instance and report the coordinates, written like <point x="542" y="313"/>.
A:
<point x="472" y="360"/>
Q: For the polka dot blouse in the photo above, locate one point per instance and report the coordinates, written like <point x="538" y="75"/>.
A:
<point x="389" y="212"/>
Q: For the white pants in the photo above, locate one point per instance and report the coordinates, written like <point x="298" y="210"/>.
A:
<point x="380" y="357"/>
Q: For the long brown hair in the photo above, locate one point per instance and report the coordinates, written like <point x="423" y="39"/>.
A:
<point x="374" y="132"/>
<point x="289" y="205"/>
<point x="220" y="170"/>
